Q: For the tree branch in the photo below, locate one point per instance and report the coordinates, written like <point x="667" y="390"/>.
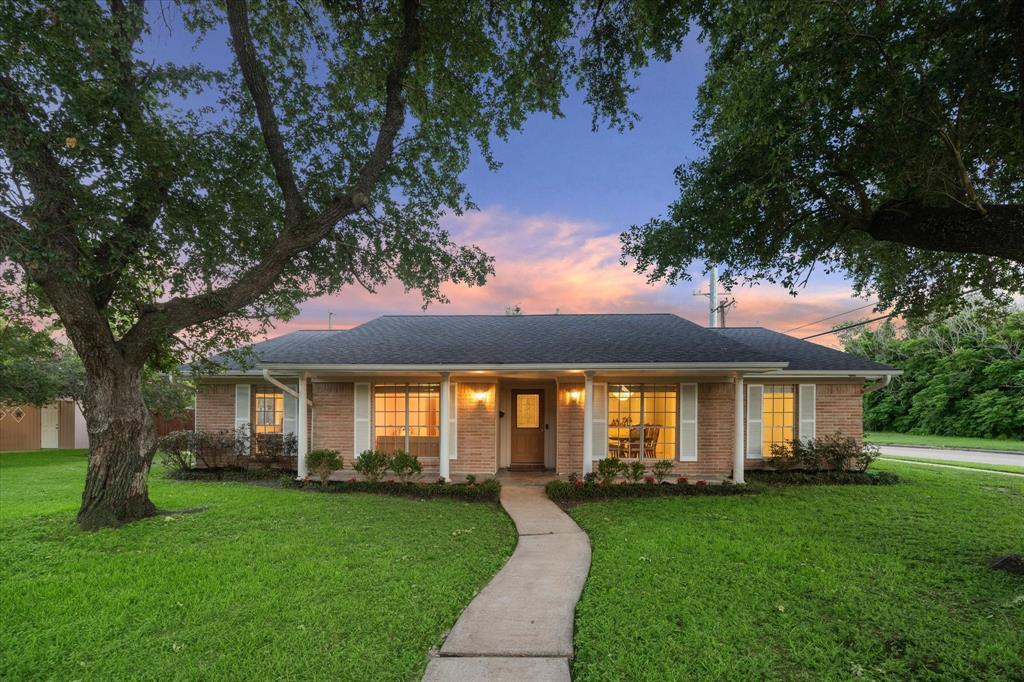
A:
<point x="999" y="232"/>
<point x="171" y="316"/>
<point x="256" y="83"/>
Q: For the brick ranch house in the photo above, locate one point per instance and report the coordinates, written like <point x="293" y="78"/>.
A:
<point x="475" y="394"/>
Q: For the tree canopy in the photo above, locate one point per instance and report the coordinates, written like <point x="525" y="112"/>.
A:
<point x="885" y="140"/>
<point x="34" y="369"/>
<point x="163" y="210"/>
<point x="963" y="376"/>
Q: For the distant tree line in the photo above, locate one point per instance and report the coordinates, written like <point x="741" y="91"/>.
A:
<point x="963" y="375"/>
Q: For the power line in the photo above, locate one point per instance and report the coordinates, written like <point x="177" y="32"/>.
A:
<point x="849" y="326"/>
<point x="830" y="317"/>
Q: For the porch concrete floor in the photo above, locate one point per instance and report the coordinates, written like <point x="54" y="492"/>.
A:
<point x="520" y="625"/>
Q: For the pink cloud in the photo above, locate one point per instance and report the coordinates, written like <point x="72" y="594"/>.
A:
<point x="555" y="263"/>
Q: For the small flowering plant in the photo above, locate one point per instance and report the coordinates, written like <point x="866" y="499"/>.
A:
<point x="649" y="480"/>
<point x="682" y="480"/>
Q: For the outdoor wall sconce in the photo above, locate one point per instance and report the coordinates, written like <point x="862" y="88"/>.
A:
<point x="574" y="395"/>
<point x="480" y="396"/>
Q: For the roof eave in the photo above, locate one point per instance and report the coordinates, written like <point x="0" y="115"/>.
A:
<point x="746" y="367"/>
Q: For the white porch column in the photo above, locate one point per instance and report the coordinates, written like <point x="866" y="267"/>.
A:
<point x="588" y="422"/>
<point x="445" y="426"/>
<point x="302" y="427"/>
<point x="738" y="450"/>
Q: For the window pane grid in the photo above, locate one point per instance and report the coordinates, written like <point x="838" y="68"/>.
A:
<point x="407" y="417"/>
<point x="269" y="410"/>
<point x="778" y="415"/>
<point x="642" y="421"/>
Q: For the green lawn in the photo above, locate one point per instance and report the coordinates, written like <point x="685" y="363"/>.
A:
<point x="1010" y="468"/>
<point x="892" y="438"/>
<point x="266" y="584"/>
<point x="808" y="583"/>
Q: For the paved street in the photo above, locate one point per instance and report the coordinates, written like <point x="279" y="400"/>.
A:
<point x="944" y="454"/>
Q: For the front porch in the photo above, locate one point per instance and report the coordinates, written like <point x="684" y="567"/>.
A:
<point x="529" y="426"/>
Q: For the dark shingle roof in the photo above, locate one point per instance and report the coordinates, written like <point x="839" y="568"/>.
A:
<point x="547" y="339"/>
<point x="801" y="355"/>
<point x="521" y="339"/>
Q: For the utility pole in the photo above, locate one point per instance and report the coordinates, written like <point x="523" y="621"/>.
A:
<point x="330" y="317"/>
<point x="713" y="298"/>
<point x="716" y="307"/>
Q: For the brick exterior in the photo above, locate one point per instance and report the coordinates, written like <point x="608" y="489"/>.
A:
<point x="477" y="431"/>
<point x="569" y="436"/>
<point x="840" y="407"/>
<point x="333" y="418"/>
<point x="215" y="407"/>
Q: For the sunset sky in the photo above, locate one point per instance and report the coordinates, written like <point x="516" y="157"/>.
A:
<point x="551" y="217"/>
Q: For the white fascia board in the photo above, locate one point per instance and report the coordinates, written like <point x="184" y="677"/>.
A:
<point x="827" y="374"/>
<point x="554" y="367"/>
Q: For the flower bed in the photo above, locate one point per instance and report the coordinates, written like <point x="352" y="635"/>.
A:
<point x="796" y="477"/>
<point x="485" y="491"/>
<point x="564" y="492"/>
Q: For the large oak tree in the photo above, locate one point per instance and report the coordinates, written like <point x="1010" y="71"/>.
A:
<point x="883" y="139"/>
<point x="161" y="210"/>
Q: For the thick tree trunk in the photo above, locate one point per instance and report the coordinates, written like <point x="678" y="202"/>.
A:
<point x="121" y="446"/>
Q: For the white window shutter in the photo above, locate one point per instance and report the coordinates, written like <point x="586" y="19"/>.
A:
<point x="808" y="422"/>
<point x="291" y="411"/>
<point x="755" y="418"/>
<point x="453" y="420"/>
<point x="243" y="407"/>
<point x="687" y="422"/>
<point x="361" y="421"/>
<point x="599" y="421"/>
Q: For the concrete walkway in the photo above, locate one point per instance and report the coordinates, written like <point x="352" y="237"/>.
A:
<point x="520" y="626"/>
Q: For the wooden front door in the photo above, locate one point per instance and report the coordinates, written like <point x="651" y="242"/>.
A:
<point x="528" y="428"/>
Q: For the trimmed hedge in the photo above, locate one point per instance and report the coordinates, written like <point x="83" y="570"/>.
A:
<point x="823" y="477"/>
<point x="579" y="491"/>
<point x="236" y="474"/>
<point x="487" y="491"/>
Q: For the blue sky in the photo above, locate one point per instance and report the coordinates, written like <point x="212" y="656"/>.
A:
<point x="552" y="214"/>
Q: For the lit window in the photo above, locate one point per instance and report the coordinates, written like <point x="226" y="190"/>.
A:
<point x="642" y="421"/>
<point x="407" y="417"/>
<point x="269" y="410"/>
<point x="778" y="415"/>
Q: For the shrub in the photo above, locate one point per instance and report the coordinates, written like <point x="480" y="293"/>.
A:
<point x="486" y="491"/>
<point x="608" y="470"/>
<point x="635" y="471"/>
<point x="373" y="464"/>
<point x="407" y="467"/>
<point x="794" y="477"/>
<point x="176" y="450"/>
<point x="661" y="469"/>
<point x="649" y="480"/>
<point x="470" y="479"/>
<point x="590" y="477"/>
<point x="682" y="480"/>
<point x="565" y="492"/>
<point x="835" y="452"/>
<point x="323" y="462"/>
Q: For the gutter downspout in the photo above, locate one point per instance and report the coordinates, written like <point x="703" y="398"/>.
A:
<point x="879" y="385"/>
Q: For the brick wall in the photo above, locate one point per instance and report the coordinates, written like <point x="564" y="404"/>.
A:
<point x="715" y="432"/>
<point x="840" y="407"/>
<point x="333" y="418"/>
<point x="477" y="431"/>
<point x="215" y="407"/>
<point x="569" y="439"/>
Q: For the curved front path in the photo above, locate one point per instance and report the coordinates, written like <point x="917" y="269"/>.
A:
<point x="520" y="626"/>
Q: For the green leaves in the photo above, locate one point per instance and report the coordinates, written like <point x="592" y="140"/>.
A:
<point x="876" y="139"/>
<point x="963" y="376"/>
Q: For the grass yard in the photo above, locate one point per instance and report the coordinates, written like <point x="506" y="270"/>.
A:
<point x="1008" y="468"/>
<point x="892" y="438"/>
<point x="266" y="584"/>
<point x="808" y="583"/>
